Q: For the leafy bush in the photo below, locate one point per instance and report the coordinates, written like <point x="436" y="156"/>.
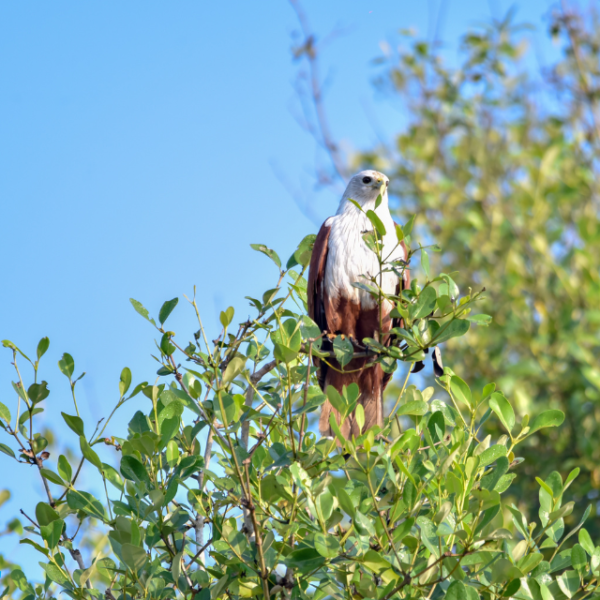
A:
<point x="223" y="490"/>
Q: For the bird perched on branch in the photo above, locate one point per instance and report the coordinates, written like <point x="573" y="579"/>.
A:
<point x="340" y="258"/>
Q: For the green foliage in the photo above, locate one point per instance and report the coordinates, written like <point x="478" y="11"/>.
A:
<point x="500" y="164"/>
<point x="221" y="490"/>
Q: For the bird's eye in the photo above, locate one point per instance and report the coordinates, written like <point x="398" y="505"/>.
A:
<point x="367" y="180"/>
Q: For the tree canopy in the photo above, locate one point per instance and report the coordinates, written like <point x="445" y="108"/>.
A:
<point x="500" y="164"/>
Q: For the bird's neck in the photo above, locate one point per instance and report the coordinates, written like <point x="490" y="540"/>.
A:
<point x="348" y="209"/>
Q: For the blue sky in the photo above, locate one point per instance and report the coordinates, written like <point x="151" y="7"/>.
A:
<point x="143" y="145"/>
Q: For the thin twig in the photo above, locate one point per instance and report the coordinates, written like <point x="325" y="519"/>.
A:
<point x="200" y="521"/>
<point x="579" y="62"/>
<point x="308" y="49"/>
<point x="264" y="574"/>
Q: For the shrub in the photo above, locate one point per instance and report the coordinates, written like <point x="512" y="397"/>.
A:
<point x="223" y="490"/>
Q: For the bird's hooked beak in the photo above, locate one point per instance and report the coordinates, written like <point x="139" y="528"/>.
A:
<point x="380" y="183"/>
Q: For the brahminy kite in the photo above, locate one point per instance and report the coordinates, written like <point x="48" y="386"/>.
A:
<point x="340" y="258"/>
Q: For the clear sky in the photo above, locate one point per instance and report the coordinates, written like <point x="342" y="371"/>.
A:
<point x="142" y="149"/>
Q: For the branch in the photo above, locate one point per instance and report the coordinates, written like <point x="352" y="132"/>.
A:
<point x="320" y="130"/>
<point x="199" y="521"/>
<point x="76" y="555"/>
<point x="254" y="379"/>
<point x="571" y="34"/>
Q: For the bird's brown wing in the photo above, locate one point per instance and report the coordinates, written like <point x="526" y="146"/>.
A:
<point x="316" y="288"/>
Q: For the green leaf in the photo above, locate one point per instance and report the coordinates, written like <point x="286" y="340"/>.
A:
<point x="56" y="574"/>
<point x="501" y="406"/>
<point x="544" y="487"/>
<point x="461" y="390"/>
<point x="428" y="535"/>
<point x="407" y="229"/>
<point x="139" y="308"/>
<point x="39" y="443"/>
<point x="359" y="416"/>
<point x="490" y="480"/>
<point x="74" y="423"/>
<point x="51" y="533"/>
<point x="20" y="391"/>
<point x="487" y="457"/>
<point x="586" y="542"/>
<point x="356" y="204"/>
<point x="310" y="330"/>
<point x="66" y="365"/>
<point x="42" y="346"/>
<point x="39" y="548"/>
<point x="571" y="476"/>
<point x="569" y="583"/>
<point x="424" y="305"/>
<point x="87" y="503"/>
<point x="564" y="511"/>
<point x="554" y="480"/>
<point x="325" y="505"/>
<point x="454" y="328"/>
<point x="134" y="470"/>
<point x="268" y="252"/>
<point x="399" y="233"/>
<point x="172" y="453"/>
<point x="415" y="408"/>
<point x="305" y="559"/>
<point x="303" y="253"/>
<point x="7" y="450"/>
<point x="377" y="223"/>
<point x="134" y="557"/>
<point x="226" y="316"/>
<point x="124" y="381"/>
<point x="343" y="350"/>
<point x="64" y="468"/>
<point x="456" y="591"/>
<point x="345" y="502"/>
<point x="529" y="562"/>
<point x="51" y="476"/>
<point x="45" y="514"/>
<point x="4" y="413"/>
<point x="38" y="392"/>
<point x="89" y="454"/>
<point x="336" y="400"/>
<point x="363" y="524"/>
<point x="578" y="557"/>
<point x="234" y="368"/>
<point x="111" y="475"/>
<point x="229" y="411"/>
<point x="327" y="545"/>
<point x="503" y="570"/>
<point x="216" y="590"/>
<point x="549" y="418"/>
<point x="166" y="309"/>
<point x="287" y="340"/>
<point x="484" y="320"/>
<point x="9" y="344"/>
<point x="375" y="562"/>
<point x="425" y="263"/>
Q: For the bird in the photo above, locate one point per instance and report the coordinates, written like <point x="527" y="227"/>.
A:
<point x="340" y="257"/>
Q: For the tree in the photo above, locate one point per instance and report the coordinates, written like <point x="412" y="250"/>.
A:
<point x="500" y="165"/>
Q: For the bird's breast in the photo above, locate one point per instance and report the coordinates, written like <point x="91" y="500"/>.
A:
<point x="349" y="260"/>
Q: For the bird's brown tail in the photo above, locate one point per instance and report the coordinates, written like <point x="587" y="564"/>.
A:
<point x="371" y="385"/>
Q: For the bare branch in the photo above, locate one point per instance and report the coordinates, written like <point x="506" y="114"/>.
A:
<point x="319" y="126"/>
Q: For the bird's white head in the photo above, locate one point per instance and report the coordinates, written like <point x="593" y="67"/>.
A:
<point x="365" y="186"/>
